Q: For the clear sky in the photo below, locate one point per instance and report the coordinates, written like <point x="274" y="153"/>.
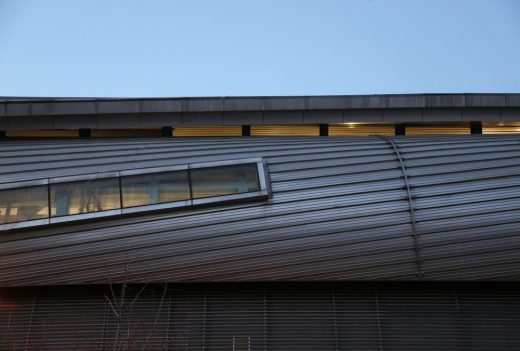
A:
<point x="149" y="48"/>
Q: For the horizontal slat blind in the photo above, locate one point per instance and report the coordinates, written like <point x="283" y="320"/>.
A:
<point x="501" y="128"/>
<point x="355" y="129"/>
<point x="43" y="133"/>
<point x="207" y="131"/>
<point x="285" y="130"/>
<point x="438" y="130"/>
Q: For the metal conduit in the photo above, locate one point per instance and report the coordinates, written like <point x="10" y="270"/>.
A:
<point x="395" y="149"/>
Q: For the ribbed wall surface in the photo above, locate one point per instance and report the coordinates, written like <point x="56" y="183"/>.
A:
<point x="263" y="317"/>
<point x="339" y="211"/>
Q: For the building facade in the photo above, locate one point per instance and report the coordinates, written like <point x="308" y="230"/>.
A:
<point x="381" y="222"/>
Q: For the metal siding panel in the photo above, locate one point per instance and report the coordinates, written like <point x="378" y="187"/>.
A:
<point x="363" y="116"/>
<point x="366" y="101"/>
<point x="511" y="114"/>
<point x="3" y="123"/>
<point x="157" y="120"/>
<point x="207" y="118"/>
<point x="162" y="106"/>
<point x="284" y="103"/>
<point x="338" y="212"/>
<point x="323" y="116"/>
<point x="117" y="121"/>
<point x="26" y="122"/>
<point x="63" y="108"/>
<point x="326" y="102"/>
<point x="485" y="100"/>
<point x="73" y="122"/>
<point x="18" y="109"/>
<point x="402" y="115"/>
<point x="203" y="105"/>
<point x="283" y="117"/>
<point x="244" y="104"/>
<point x="406" y="101"/>
<point x="243" y="118"/>
<point x="444" y="100"/>
<point x="288" y="316"/>
<point x="118" y="106"/>
<point x="513" y="100"/>
<point x="479" y="114"/>
<point x="442" y="115"/>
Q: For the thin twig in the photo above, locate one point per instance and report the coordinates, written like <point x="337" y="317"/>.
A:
<point x="156" y="318"/>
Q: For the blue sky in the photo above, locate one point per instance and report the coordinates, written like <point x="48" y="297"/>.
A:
<point x="172" y="48"/>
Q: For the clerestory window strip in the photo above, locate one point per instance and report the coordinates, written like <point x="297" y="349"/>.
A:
<point x="80" y="197"/>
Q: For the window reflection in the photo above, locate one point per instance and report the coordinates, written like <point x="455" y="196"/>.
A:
<point x="114" y="193"/>
<point x="148" y="189"/>
<point x="23" y="204"/>
<point x="84" y="197"/>
<point x="207" y="182"/>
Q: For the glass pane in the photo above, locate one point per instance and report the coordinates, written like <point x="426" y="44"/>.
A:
<point x="24" y="204"/>
<point x="206" y="182"/>
<point x="85" y="196"/>
<point x="149" y="189"/>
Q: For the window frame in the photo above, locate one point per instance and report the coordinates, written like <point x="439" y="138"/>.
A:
<point x="262" y="193"/>
<point x="86" y="215"/>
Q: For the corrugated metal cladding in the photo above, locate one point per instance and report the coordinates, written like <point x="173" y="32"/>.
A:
<point x="259" y="317"/>
<point x="339" y="210"/>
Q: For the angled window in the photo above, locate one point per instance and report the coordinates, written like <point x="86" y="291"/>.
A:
<point x="23" y="204"/>
<point x="86" y="196"/>
<point x="155" y="188"/>
<point x="80" y="197"/>
<point x="225" y="180"/>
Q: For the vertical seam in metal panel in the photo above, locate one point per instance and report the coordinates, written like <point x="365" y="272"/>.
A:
<point x="103" y="345"/>
<point x="458" y="319"/>
<point x="204" y="320"/>
<point x="378" y="316"/>
<point x="265" y="320"/>
<point x="29" y="330"/>
<point x="169" y="322"/>
<point x="190" y="184"/>
<point x="410" y="201"/>
<point x="336" y="343"/>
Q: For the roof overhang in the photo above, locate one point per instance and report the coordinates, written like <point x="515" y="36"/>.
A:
<point x="67" y="113"/>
